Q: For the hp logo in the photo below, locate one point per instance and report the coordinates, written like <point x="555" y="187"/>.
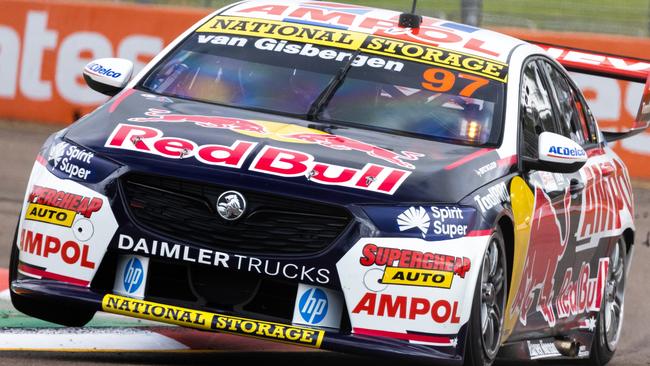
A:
<point x="313" y="305"/>
<point x="133" y="275"/>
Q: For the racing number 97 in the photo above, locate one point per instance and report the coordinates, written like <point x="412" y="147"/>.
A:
<point x="441" y="80"/>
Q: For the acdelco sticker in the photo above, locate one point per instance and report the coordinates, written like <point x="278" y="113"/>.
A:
<point x="98" y="69"/>
<point x="65" y="229"/>
<point x="212" y="321"/>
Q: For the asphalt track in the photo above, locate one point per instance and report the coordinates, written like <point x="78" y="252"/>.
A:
<point x="19" y="143"/>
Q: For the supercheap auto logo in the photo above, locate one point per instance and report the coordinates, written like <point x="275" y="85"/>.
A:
<point x="212" y="321"/>
<point x="415" y="268"/>
<point x="349" y="40"/>
<point x="58" y="207"/>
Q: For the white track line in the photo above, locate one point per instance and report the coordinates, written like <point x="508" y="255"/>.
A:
<point x="87" y="339"/>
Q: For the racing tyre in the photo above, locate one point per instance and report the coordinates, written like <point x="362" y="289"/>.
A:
<point x="48" y="310"/>
<point x="486" y="322"/>
<point x="610" y="318"/>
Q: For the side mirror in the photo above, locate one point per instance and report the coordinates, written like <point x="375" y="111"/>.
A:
<point x="108" y="75"/>
<point x="557" y="154"/>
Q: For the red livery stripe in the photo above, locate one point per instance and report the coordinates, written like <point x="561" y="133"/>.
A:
<point x="467" y="158"/>
<point x="442" y="340"/>
<point x="120" y="98"/>
<point x="4" y="279"/>
<point x="480" y="232"/>
<point x="49" y="275"/>
<point x="510" y="160"/>
<point x="41" y="160"/>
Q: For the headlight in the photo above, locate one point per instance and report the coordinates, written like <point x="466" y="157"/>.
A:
<point x="437" y="222"/>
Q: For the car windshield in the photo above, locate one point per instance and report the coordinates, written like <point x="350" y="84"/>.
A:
<point x="348" y="87"/>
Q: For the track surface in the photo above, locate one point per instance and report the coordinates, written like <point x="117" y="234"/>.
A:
<point x="19" y="143"/>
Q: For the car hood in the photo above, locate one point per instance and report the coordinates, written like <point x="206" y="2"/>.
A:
<point x="251" y="150"/>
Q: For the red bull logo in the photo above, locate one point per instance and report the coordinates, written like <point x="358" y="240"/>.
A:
<point x="584" y="294"/>
<point x="258" y="129"/>
<point x="269" y="160"/>
<point x="545" y="250"/>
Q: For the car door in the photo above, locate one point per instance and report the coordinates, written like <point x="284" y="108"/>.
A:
<point x="602" y="194"/>
<point x="599" y="195"/>
<point x="548" y="255"/>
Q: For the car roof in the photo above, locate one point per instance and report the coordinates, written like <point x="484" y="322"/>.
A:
<point x="381" y="22"/>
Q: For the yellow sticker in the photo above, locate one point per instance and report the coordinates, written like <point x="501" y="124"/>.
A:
<point x="436" y="56"/>
<point x="523" y="205"/>
<point x="287" y="31"/>
<point x="211" y="321"/>
<point x="49" y="214"/>
<point x="417" y="277"/>
<point x="340" y="38"/>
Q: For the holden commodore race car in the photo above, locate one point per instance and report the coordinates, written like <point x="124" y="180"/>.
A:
<point x="340" y="177"/>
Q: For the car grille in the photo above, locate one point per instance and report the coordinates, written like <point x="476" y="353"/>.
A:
<point x="186" y="211"/>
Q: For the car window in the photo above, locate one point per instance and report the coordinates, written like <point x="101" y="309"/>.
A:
<point x="536" y="112"/>
<point x="571" y="112"/>
<point x="405" y="95"/>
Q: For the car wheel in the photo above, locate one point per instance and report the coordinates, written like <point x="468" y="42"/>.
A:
<point x="486" y="322"/>
<point x="610" y="319"/>
<point x="51" y="311"/>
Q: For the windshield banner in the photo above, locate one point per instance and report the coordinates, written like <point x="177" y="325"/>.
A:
<point x="340" y="38"/>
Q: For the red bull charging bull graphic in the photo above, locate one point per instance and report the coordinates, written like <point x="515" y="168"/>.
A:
<point x="234" y="124"/>
<point x="258" y="129"/>
<point x="549" y="238"/>
<point x="546" y="247"/>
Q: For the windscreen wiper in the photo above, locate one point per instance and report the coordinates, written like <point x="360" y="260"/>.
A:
<point x="325" y="96"/>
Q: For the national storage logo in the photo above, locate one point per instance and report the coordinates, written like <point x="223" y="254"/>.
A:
<point x="282" y="30"/>
<point x="212" y="321"/>
<point x="344" y="39"/>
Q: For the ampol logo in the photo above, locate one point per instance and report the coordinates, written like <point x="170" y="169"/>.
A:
<point x="133" y="275"/>
<point x="313" y="305"/>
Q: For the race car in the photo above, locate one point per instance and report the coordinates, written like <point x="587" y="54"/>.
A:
<point x="341" y="177"/>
